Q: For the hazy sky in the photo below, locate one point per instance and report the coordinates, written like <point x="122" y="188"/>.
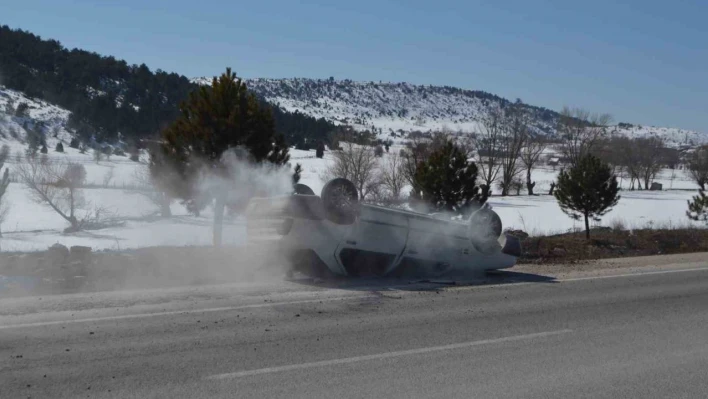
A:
<point x="641" y="61"/>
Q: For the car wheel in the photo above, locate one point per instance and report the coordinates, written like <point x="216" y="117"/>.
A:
<point x="340" y="201"/>
<point x="485" y="227"/>
<point x="302" y="189"/>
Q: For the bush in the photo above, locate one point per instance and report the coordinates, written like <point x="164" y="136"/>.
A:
<point x="59" y="147"/>
<point x="378" y="151"/>
<point x="74" y="143"/>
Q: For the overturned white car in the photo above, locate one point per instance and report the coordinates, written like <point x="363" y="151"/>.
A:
<point x="333" y="234"/>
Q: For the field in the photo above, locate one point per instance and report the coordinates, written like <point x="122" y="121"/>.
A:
<point x="111" y="184"/>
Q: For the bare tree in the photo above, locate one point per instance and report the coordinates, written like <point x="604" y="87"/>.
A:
<point x="393" y="176"/>
<point x="57" y="185"/>
<point x="97" y="155"/>
<point x="580" y="131"/>
<point x="108" y="177"/>
<point x="487" y="143"/>
<point x="358" y="164"/>
<point x="515" y="131"/>
<point x="650" y="153"/>
<point x="152" y="191"/>
<point x="534" y="145"/>
<point x="698" y="167"/>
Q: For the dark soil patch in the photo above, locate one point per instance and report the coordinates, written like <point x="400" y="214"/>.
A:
<point x="607" y="243"/>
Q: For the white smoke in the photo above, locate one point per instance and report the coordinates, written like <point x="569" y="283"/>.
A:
<point x="242" y="178"/>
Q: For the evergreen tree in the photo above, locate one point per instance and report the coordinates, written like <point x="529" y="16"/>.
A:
<point x="74" y="143"/>
<point x="214" y="120"/>
<point x="447" y="180"/>
<point x="297" y="173"/>
<point x="43" y="150"/>
<point x="698" y="208"/>
<point x="319" y="152"/>
<point x="587" y="191"/>
<point x="22" y="110"/>
<point x="59" y="147"/>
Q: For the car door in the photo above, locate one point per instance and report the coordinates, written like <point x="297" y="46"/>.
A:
<point x="433" y="246"/>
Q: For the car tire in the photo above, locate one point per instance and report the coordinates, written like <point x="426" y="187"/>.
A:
<point x="340" y="201"/>
<point x="485" y="226"/>
<point x="302" y="189"/>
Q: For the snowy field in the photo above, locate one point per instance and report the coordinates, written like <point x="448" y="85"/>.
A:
<point x="33" y="226"/>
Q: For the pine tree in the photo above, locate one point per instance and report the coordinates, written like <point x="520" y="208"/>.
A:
<point x="59" y="147"/>
<point x="447" y="180"/>
<point x="214" y="120"/>
<point x="297" y="174"/>
<point x="587" y="191"/>
<point x="698" y="208"/>
<point x="319" y="152"/>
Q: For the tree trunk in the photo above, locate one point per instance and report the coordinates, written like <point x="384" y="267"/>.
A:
<point x="529" y="185"/>
<point x="587" y="227"/>
<point x="219" y="205"/>
<point x="485" y="190"/>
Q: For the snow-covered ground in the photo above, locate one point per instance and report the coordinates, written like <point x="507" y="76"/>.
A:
<point x="386" y="107"/>
<point x="33" y="226"/>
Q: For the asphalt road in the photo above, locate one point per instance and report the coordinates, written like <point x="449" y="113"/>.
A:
<point x="643" y="336"/>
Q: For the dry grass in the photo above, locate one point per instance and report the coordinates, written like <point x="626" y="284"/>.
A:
<point x="614" y="242"/>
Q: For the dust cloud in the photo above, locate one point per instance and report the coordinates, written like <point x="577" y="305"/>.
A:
<point x="60" y="270"/>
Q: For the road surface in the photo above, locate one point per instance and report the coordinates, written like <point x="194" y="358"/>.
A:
<point x="641" y="334"/>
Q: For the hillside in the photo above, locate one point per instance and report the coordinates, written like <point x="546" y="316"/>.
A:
<point x="107" y="98"/>
<point x="397" y="108"/>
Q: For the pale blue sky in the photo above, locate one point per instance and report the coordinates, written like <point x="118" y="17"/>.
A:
<point x="641" y="61"/>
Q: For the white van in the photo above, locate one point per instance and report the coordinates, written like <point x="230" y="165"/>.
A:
<point x="333" y="234"/>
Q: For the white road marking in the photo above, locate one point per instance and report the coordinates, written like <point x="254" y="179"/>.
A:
<point x="262" y="305"/>
<point x="178" y="312"/>
<point x="385" y="355"/>
<point x="511" y="283"/>
<point x="639" y="274"/>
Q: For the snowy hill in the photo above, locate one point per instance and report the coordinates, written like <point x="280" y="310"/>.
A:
<point x="402" y="107"/>
<point x="40" y="114"/>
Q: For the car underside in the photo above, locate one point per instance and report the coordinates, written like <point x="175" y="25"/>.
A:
<point x="334" y="234"/>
